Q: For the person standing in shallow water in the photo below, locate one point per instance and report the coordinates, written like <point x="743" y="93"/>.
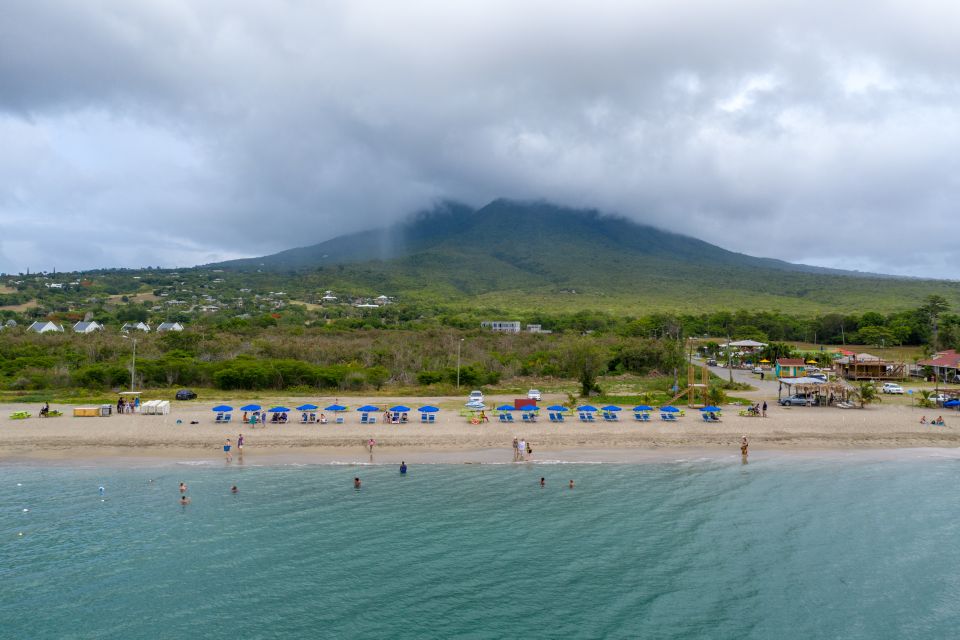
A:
<point x="226" y="450"/>
<point x="571" y="484"/>
<point x="744" y="446"/>
<point x="356" y="483"/>
<point x="403" y="468"/>
<point x="516" y="449"/>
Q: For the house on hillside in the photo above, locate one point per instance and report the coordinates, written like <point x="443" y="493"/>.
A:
<point x="169" y="326"/>
<point x="87" y="327"/>
<point x="745" y="346"/>
<point x="139" y="326"/>
<point x="504" y="326"/>
<point x="945" y="365"/>
<point x="789" y="367"/>
<point x="45" y="327"/>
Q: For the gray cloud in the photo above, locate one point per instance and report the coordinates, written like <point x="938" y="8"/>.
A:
<point x="173" y="132"/>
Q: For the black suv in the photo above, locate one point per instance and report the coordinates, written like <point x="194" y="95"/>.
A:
<point x="185" y="394"/>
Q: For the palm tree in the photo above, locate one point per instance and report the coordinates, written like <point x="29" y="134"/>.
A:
<point x="867" y="393"/>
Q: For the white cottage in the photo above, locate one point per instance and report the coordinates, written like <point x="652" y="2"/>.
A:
<point x="45" y="327"/>
<point x="169" y="326"/>
<point x="87" y="327"/>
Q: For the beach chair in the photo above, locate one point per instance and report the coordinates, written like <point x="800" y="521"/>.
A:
<point x="339" y="420"/>
<point x="312" y="418"/>
<point x="424" y="417"/>
<point x="559" y="416"/>
<point x="526" y="417"/>
<point x="552" y="417"/>
<point x="638" y="416"/>
<point x="591" y="417"/>
<point x="304" y="417"/>
<point x="509" y="417"/>
<point x="364" y="418"/>
<point x="219" y="418"/>
<point x="582" y="416"/>
<point x="432" y="418"/>
<point x="502" y="417"/>
<point x="227" y="417"/>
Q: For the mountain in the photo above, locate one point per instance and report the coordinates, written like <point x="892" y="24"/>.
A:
<point x="524" y="253"/>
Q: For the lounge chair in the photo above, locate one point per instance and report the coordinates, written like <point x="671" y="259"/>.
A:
<point x="364" y="418"/>
<point x="591" y="417"/>
<point x="227" y="417"/>
<point x="526" y="417"/>
<point x="668" y="417"/>
<point x="219" y="418"/>
<point x="424" y="417"/>
<point x="502" y="417"/>
<point x="559" y="416"/>
<point x="339" y="420"/>
<point x="432" y="418"/>
<point x="583" y="416"/>
<point x="510" y="417"/>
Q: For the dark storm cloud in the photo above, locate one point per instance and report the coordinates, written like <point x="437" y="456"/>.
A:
<point x="175" y="132"/>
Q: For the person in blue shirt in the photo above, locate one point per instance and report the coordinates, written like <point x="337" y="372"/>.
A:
<point x="403" y="468"/>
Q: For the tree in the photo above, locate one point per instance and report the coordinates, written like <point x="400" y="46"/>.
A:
<point x="877" y="336"/>
<point x="716" y="395"/>
<point x="586" y="361"/>
<point x="867" y="393"/>
<point x="934" y="306"/>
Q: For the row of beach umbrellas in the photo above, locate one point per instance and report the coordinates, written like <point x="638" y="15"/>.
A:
<point x="336" y="408"/>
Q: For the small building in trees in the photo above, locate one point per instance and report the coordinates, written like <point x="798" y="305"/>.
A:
<point x="87" y="327"/>
<point x="169" y="326"/>
<point x="135" y="326"/>
<point x="945" y="365"/>
<point x="45" y="327"/>
<point x="790" y="367"/>
<point x="866" y="366"/>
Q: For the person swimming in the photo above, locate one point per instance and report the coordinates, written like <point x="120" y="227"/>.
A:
<point x="184" y="500"/>
<point x="571" y="484"/>
<point x="234" y="489"/>
<point x="543" y="482"/>
<point x="403" y="468"/>
<point x="183" y="487"/>
<point x="356" y="483"/>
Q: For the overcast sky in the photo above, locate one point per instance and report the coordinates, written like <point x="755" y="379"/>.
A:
<point x="177" y="132"/>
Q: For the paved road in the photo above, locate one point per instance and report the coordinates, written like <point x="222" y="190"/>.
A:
<point x="766" y="389"/>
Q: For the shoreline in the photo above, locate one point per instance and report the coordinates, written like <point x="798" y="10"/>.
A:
<point x="276" y="457"/>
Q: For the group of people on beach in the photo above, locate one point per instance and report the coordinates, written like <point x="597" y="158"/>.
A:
<point x="522" y="451"/>
<point x="128" y="406"/>
<point x="228" y="448"/>
<point x="758" y="410"/>
<point x="936" y="422"/>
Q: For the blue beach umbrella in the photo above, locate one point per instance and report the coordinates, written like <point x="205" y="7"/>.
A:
<point x="611" y="407"/>
<point x="643" y="407"/>
<point x="251" y="407"/>
<point x="529" y="407"/>
<point x="335" y="407"/>
<point x="952" y="403"/>
<point x="586" y="407"/>
<point x="400" y="409"/>
<point x="711" y="408"/>
<point x="278" y="410"/>
<point x="428" y="409"/>
<point x="367" y="408"/>
<point x="220" y="408"/>
<point x="557" y="407"/>
<point x="307" y="407"/>
<point x="506" y="407"/>
<point x="669" y="409"/>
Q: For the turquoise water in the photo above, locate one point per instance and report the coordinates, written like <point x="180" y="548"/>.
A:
<point x="790" y="547"/>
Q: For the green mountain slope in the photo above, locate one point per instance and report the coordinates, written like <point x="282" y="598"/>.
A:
<point x="525" y="255"/>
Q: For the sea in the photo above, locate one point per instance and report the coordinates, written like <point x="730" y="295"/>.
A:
<point x="814" y="545"/>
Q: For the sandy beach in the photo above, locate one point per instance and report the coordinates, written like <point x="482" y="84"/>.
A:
<point x="452" y="437"/>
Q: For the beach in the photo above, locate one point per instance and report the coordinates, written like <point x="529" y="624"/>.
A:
<point x="453" y="439"/>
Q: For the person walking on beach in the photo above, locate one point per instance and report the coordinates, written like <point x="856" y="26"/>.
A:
<point x="371" y="443"/>
<point x="764" y="409"/>
<point x="226" y="450"/>
<point x="516" y="449"/>
<point x="522" y="449"/>
<point x="240" y="444"/>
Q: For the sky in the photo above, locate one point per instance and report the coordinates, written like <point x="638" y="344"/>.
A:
<point x="176" y="132"/>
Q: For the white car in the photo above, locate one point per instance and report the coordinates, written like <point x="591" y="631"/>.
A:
<point x="938" y="397"/>
<point x="475" y="396"/>
<point x="892" y="387"/>
<point x="534" y="394"/>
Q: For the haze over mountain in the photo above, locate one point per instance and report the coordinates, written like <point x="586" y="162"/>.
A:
<point x="511" y="250"/>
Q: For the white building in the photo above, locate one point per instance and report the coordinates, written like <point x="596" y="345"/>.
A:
<point x="506" y="326"/>
<point x="139" y="326"/>
<point x="169" y="326"/>
<point x="87" y="327"/>
<point x="44" y="327"/>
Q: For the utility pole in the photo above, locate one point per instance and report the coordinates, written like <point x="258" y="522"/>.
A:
<point x="459" y="343"/>
<point x="133" y="363"/>
<point x="730" y="358"/>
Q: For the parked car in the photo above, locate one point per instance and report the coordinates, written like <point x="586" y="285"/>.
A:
<point x="795" y="401"/>
<point x="711" y="362"/>
<point x="938" y="397"/>
<point x="892" y="387"/>
<point x="185" y="394"/>
<point x="534" y="394"/>
<point x="476" y="396"/>
<point x="818" y="376"/>
<point x="757" y="370"/>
